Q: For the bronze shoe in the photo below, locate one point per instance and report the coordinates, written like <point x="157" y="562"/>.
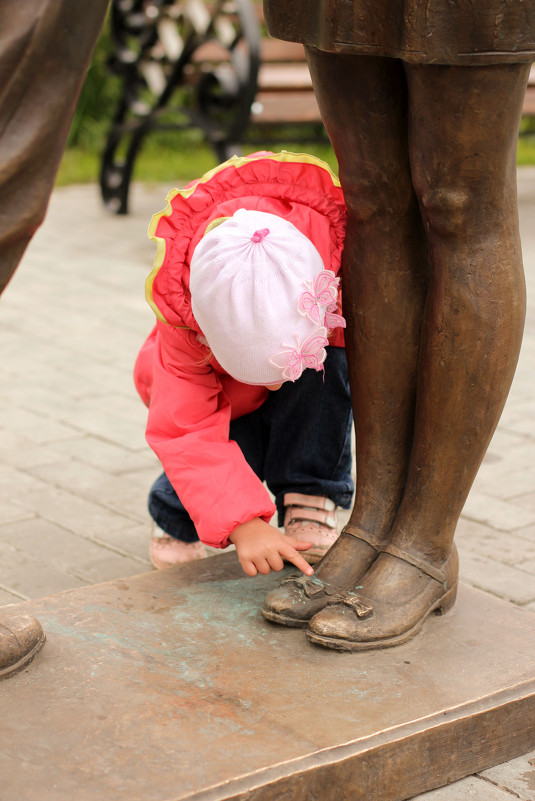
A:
<point x="398" y="593"/>
<point x="299" y="597"/>
<point x="21" y="638"/>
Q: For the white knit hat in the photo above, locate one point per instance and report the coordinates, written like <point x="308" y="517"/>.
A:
<point x="262" y="298"/>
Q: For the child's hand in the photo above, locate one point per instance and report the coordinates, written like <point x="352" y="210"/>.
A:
<point x="261" y="548"/>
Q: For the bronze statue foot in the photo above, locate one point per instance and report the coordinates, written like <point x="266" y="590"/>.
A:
<point x="300" y="597"/>
<point x="398" y="593"/>
<point x="21" y="638"/>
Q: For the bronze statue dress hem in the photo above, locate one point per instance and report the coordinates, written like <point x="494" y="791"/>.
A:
<point x="448" y="32"/>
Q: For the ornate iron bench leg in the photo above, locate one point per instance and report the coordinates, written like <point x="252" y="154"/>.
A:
<point x="202" y="58"/>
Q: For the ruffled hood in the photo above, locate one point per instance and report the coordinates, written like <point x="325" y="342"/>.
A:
<point x="300" y="188"/>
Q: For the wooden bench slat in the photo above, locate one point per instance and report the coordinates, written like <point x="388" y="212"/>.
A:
<point x="271" y="50"/>
<point x="211" y="51"/>
<point x="284" y="77"/>
<point x="277" y="50"/>
<point x="290" y="107"/>
<point x="284" y="70"/>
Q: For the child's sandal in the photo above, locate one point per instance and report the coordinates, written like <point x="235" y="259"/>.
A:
<point x="166" y="551"/>
<point x="311" y="518"/>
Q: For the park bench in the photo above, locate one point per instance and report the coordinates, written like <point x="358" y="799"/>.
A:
<point x="190" y="63"/>
<point x="206" y="64"/>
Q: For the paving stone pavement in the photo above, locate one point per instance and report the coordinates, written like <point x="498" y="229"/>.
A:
<point x="74" y="466"/>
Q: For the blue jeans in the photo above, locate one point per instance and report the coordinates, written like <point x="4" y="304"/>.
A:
<point x="299" y="440"/>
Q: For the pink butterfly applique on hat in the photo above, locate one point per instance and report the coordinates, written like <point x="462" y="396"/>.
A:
<point x="320" y="299"/>
<point x="309" y="353"/>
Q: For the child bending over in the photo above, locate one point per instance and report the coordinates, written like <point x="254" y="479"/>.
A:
<point x="244" y="373"/>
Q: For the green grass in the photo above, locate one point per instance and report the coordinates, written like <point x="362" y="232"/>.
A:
<point x="154" y="162"/>
<point x="176" y="158"/>
<point x="526" y="151"/>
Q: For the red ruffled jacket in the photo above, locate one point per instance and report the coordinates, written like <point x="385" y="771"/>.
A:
<point x="190" y="398"/>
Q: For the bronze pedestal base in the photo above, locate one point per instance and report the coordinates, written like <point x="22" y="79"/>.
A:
<point x="170" y="685"/>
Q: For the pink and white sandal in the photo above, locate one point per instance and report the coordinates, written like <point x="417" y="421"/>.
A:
<point x="311" y="518"/>
<point x="166" y="551"/>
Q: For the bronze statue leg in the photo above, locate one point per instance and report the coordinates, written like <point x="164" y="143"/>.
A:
<point x="45" y="49"/>
<point x="463" y="126"/>
<point x="385" y="269"/>
<point x="464" y="129"/>
<point x="364" y="103"/>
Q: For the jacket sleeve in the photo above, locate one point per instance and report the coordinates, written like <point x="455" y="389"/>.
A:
<point x="188" y="429"/>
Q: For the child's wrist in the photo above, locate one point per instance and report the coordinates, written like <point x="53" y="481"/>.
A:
<point x="240" y="530"/>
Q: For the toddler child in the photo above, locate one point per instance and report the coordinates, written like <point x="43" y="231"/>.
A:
<point x="244" y="373"/>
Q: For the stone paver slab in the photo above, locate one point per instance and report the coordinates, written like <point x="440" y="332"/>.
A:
<point x="97" y="486"/>
<point x="517" y="776"/>
<point x="496" y="513"/>
<point x="132" y="541"/>
<point x="7" y="598"/>
<point x="11" y="511"/>
<point x="27" y="577"/>
<point x="106" y="456"/>
<point x="501" y="546"/>
<point x="77" y="556"/>
<point x="504" y="581"/>
<point x="473" y="788"/>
